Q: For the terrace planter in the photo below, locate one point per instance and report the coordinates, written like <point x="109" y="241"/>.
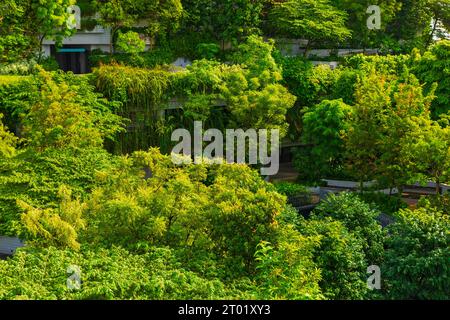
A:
<point x="299" y="200"/>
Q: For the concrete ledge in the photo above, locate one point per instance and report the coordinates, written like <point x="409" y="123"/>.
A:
<point x="348" y="184"/>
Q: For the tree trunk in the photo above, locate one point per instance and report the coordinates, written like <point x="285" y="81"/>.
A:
<point x="430" y="39"/>
<point x="41" y="41"/>
<point x="400" y="192"/>
<point x="111" y="41"/>
<point x="438" y="187"/>
<point x="305" y="55"/>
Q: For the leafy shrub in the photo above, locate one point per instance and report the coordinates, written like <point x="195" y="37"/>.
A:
<point x="432" y="68"/>
<point x="383" y="202"/>
<point x="386" y="65"/>
<point x="49" y="64"/>
<point x="346" y="83"/>
<point x="177" y="205"/>
<point x="187" y="44"/>
<point x="130" y="42"/>
<point x="416" y="260"/>
<point x="359" y="219"/>
<point x="18" y="98"/>
<point x="438" y="202"/>
<point x="35" y="178"/>
<point x="14" y="47"/>
<point x="208" y="50"/>
<point x="54" y="226"/>
<point x="106" y="274"/>
<point x="324" y="127"/>
<point x="19" y="68"/>
<point x="148" y="59"/>
<point x="17" y="95"/>
<point x="290" y="189"/>
<point x="63" y="116"/>
<point x="288" y="271"/>
<point x="7" y="141"/>
<point x="10" y="79"/>
<point x="256" y="55"/>
<point x="298" y="75"/>
<point x="339" y="254"/>
<point x="297" y="194"/>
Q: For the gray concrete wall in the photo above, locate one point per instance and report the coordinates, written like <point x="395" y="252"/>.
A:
<point x="8" y="245"/>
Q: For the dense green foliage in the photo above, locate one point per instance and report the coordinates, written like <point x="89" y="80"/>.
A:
<point x="359" y="219"/>
<point x="417" y="255"/>
<point x="88" y="182"/>
<point x="357" y="20"/>
<point x="26" y="23"/>
<point x="312" y="20"/>
<point x="382" y="202"/>
<point x="7" y="141"/>
<point x="130" y="42"/>
<point x="107" y="274"/>
<point x="324" y="127"/>
<point x="158" y="16"/>
<point x="223" y="20"/>
<point x="390" y="110"/>
<point x="246" y="94"/>
<point x="340" y="256"/>
<point x="432" y="68"/>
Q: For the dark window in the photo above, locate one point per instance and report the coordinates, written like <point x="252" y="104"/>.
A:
<point x="72" y="58"/>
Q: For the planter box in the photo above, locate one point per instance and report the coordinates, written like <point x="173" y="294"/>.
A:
<point x="347" y="184"/>
<point x="8" y="245"/>
<point x="299" y="200"/>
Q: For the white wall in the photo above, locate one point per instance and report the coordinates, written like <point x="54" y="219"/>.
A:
<point x="99" y="38"/>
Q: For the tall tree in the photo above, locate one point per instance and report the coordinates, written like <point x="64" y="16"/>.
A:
<point x="114" y="14"/>
<point x="382" y="118"/>
<point x="418" y="20"/>
<point x="427" y="148"/>
<point x="312" y="20"/>
<point x="224" y="20"/>
<point x="29" y="22"/>
<point x="156" y="15"/>
<point x="440" y="10"/>
<point x="357" y="21"/>
<point x="324" y="126"/>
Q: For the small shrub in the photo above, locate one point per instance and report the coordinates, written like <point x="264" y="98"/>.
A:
<point x="208" y="50"/>
<point x="340" y="256"/>
<point x="49" y="64"/>
<point x="297" y="194"/>
<point x="130" y="42"/>
<point x="417" y="256"/>
<point x="383" y="202"/>
<point x="359" y="218"/>
<point x="439" y="202"/>
<point x="19" y="68"/>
